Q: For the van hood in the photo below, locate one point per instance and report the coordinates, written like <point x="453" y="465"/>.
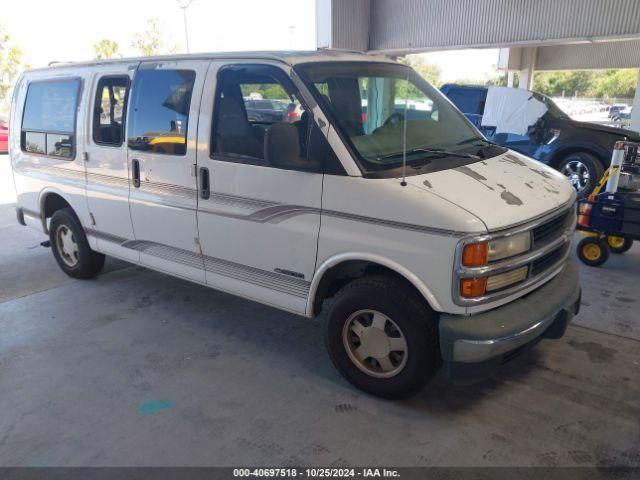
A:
<point x="502" y="191"/>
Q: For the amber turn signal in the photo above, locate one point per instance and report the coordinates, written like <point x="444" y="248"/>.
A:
<point x="475" y="255"/>
<point x="473" y="287"/>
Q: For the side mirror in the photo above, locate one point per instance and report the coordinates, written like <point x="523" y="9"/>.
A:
<point x="282" y="147"/>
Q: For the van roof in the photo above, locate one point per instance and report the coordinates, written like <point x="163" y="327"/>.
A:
<point x="287" y="57"/>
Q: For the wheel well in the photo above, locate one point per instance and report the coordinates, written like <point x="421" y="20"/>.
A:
<point x="52" y="203"/>
<point x="339" y="275"/>
<point x="559" y="156"/>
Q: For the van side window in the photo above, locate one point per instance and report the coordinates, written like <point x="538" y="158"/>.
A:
<point x="49" y="118"/>
<point x="159" y="116"/>
<point x="258" y="120"/>
<point x="109" y="110"/>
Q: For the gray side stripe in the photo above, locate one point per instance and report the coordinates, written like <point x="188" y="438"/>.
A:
<point x="280" y="212"/>
<point x="167" y="189"/>
<point x="263" y="278"/>
<point x="274" y="281"/>
<point x="104" y="236"/>
<point x="393" y="224"/>
<point x="263" y="211"/>
<point x="108" y="180"/>
<point x="51" y="170"/>
<point x="166" y="252"/>
<point x="236" y="201"/>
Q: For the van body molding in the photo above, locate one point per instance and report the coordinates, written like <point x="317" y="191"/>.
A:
<point x="275" y="281"/>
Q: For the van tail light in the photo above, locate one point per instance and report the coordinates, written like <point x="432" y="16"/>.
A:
<point x="475" y="254"/>
<point x="473" y="287"/>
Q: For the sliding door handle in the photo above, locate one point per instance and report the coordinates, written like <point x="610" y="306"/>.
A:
<point x="204" y="183"/>
<point x="135" y="172"/>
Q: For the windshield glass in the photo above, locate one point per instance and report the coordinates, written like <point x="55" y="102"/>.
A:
<point x="376" y="105"/>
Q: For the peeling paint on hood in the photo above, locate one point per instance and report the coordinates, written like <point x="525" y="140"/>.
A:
<point x="501" y="191"/>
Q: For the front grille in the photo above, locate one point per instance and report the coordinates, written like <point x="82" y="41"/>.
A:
<point x="550" y="246"/>
<point x="550" y="230"/>
<point x="547" y="261"/>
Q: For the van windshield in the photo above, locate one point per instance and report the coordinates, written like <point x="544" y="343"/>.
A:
<point x="375" y="105"/>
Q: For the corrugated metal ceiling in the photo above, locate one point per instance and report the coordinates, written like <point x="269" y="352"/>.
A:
<point x="412" y="25"/>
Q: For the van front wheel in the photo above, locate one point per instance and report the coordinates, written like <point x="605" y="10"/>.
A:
<point x="382" y="337"/>
<point x="71" y="248"/>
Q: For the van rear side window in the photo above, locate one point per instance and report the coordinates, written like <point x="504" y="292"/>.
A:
<point x="109" y="110"/>
<point x="159" y="115"/>
<point x="49" y="118"/>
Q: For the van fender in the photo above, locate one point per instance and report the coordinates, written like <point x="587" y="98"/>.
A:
<point x="42" y="197"/>
<point x="368" y="257"/>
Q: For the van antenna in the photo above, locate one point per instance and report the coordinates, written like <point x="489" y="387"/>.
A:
<point x="404" y="136"/>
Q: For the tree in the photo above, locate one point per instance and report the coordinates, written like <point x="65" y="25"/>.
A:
<point x="105" y="49"/>
<point x="428" y="71"/>
<point x="607" y="84"/>
<point x="11" y="64"/>
<point x="151" y="41"/>
<point x="616" y="84"/>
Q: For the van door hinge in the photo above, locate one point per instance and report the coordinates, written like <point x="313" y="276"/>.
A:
<point x="198" y="246"/>
<point x="93" y="219"/>
<point x="194" y="170"/>
<point x="85" y="156"/>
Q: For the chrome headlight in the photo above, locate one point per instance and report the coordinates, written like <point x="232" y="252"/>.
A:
<point x="509" y="246"/>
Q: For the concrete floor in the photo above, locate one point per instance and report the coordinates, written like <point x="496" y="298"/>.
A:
<point x="138" y="368"/>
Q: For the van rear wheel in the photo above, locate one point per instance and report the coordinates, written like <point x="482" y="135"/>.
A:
<point x="382" y="337"/>
<point x="70" y="246"/>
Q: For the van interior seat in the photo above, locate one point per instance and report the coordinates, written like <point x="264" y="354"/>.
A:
<point x="283" y="151"/>
<point x="302" y="126"/>
<point x="111" y="133"/>
<point x="235" y="133"/>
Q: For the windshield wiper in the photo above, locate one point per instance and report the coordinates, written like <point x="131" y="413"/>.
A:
<point x="436" y="152"/>
<point x="483" y="143"/>
<point x="475" y="139"/>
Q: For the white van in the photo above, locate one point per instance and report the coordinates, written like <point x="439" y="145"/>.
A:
<point x="432" y="245"/>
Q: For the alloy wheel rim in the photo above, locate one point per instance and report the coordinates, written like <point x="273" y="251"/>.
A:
<point x="577" y="173"/>
<point x="66" y="245"/>
<point x="375" y="344"/>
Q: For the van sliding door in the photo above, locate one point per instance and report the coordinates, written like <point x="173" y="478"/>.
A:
<point x="161" y="136"/>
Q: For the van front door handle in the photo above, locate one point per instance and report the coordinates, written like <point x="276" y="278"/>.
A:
<point x="204" y="183"/>
<point x="135" y="172"/>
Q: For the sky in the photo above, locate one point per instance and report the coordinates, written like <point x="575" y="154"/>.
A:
<point x="65" y="30"/>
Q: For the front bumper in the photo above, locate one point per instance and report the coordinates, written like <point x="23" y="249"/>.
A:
<point x="472" y="346"/>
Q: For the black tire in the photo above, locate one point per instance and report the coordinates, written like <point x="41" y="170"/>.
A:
<point x="413" y="317"/>
<point x="615" y="247"/>
<point x="88" y="263"/>
<point x="593" y="251"/>
<point x="593" y="166"/>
